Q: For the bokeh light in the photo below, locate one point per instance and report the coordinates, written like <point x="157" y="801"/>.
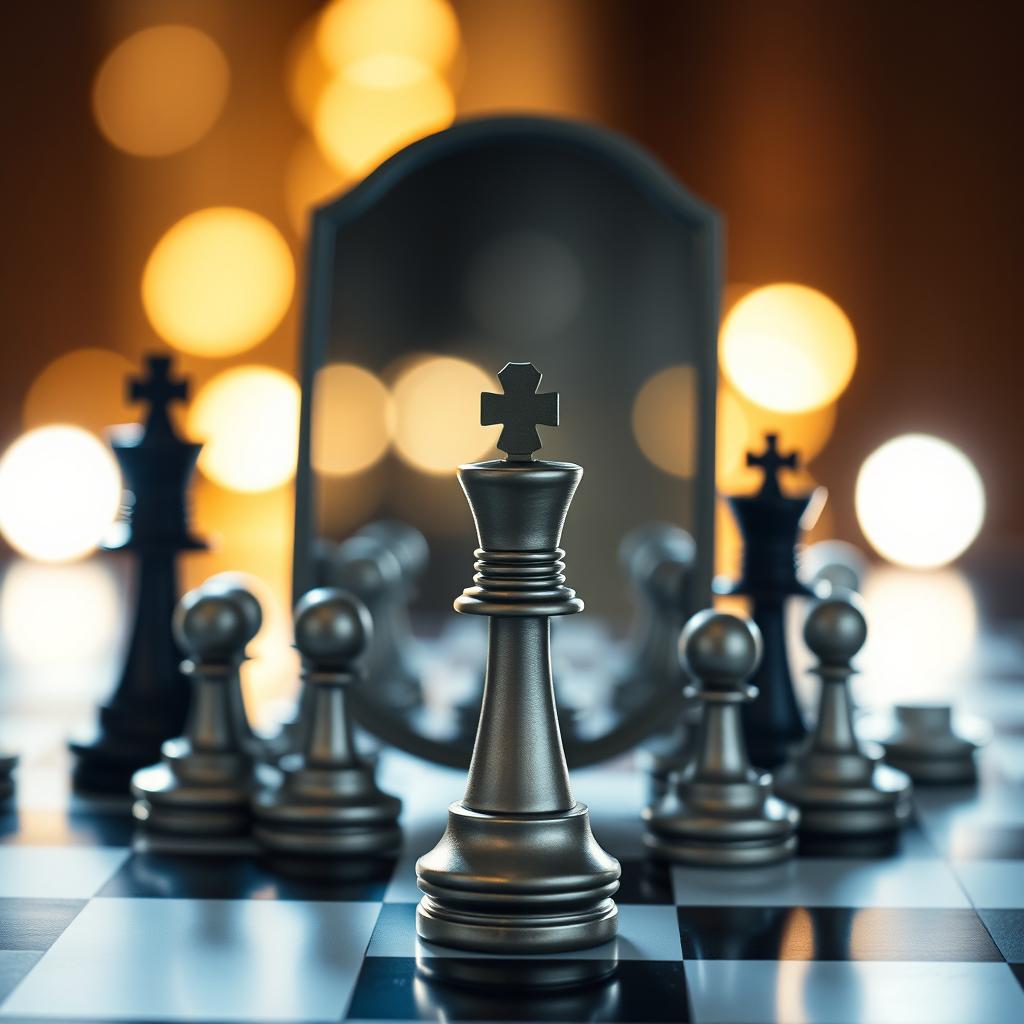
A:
<point x="742" y="426"/>
<point x="306" y="73"/>
<point x="248" y="421"/>
<point x="352" y="420"/>
<point x="358" y="126"/>
<point x="424" y="32"/>
<point x="788" y="348"/>
<point x="160" y="90"/>
<point x="60" y="614"/>
<point x="922" y="627"/>
<point x="86" y="388"/>
<point x="218" y="282"/>
<point x="437" y="413"/>
<point x="665" y="420"/>
<point x="309" y="181"/>
<point x="60" y="491"/>
<point x="919" y="501"/>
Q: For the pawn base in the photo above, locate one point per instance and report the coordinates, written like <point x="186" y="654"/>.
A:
<point x="927" y="746"/>
<point x="167" y="802"/>
<point x="517" y="884"/>
<point x="725" y="825"/>
<point x="878" y="802"/>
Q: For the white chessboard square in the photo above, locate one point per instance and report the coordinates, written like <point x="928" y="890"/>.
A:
<point x="852" y="992"/>
<point x="645" y="933"/>
<point x="993" y="884"/>
<point x="201" y="960"/>
<point x="49" y="872"/>
<point x="826" y="882"/>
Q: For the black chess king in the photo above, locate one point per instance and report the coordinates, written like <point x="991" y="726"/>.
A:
<point x="518" y="869"/>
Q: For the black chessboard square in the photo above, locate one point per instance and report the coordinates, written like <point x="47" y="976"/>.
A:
<point x="644" y="881"/>
<point x="64" y="828"/>
<point x="834" y="933"/>
<point x="1007" y="928"/>
<point x="152" y="876"/>
<point x="513" y="990"/>
<point x="35" y="924"/>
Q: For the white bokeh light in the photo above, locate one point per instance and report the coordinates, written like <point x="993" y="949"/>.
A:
<point x="60" y="490"/>
<point x="920" y="501"/>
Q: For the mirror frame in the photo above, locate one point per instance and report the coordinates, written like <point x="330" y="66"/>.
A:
<point x="329" y="219"/>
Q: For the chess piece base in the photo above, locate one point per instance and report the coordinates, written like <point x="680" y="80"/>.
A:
<point x="878" y="801"/>
<point x="558" y="898"/>
<point x="169" y="799"/>
<point x="327" y="813"/>
<point x="730" y="824"/>
<point x="927" y="747"/>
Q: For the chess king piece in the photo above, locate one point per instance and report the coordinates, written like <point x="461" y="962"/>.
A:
<point x="927" y="745"/>
<point x="839" y="783"/>
<point x="328" y="803"/>
<point x="150" y="701"/>
<point x="719" y="811"/>
<point x="202" y="786"/>
<point x="518" y="869"/>
<point x="770" y="524"/>
<point x="380" y="564"/>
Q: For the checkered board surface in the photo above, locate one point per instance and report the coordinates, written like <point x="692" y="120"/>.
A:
<point x="91" y="931"/>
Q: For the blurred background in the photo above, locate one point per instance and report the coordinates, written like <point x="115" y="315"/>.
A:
<point x="163" y="157"/>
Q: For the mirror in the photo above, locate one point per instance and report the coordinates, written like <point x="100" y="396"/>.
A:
<point x="509" y="239"/>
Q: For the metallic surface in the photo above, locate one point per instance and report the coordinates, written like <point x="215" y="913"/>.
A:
<point x="518" y="869"/>
<point x="837" y="781"/>
<point x="326" y="802"/>
<point x="719" y="811"/>
<point x="202" y="785"/>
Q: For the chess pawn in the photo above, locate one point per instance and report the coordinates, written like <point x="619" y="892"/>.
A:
<point x="202" y="786"/>
<point x="720" y="811"/>
<point x="518" y="869"/>
<point x="371" y="569"/>
<point x="327" y="803"/>
<point x="658" y="560"/>
<point x="833" y="564"/>
<point x="838" y="782"/>
<point x="930" y="747"/>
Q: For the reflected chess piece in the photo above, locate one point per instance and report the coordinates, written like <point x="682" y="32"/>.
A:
<point x="834" y="563"/>
<point x="658" y="559"/>
<point x="838" y="782"/>
<point x="770" y="523"/>
<point x="150" y="701"/>
<point x="375" y="566"/>
<point x="327" y="804"/>
<point x="518" y="869"/>
<point x="720" y="811"/>
<point x="926" y="744"/>
<point x="202" y="786"/>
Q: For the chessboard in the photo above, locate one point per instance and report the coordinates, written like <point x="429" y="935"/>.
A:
<point x="933" y="933"/>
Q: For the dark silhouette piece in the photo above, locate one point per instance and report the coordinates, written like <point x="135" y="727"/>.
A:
<point x="519" y="410"/>
<point x="150" y="701"/>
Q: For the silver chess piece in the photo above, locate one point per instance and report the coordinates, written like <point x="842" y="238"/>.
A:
<point x="327" y="803"/>
<point x="518" y="869"/>
<point x="832" y="564"/>
<point x="719" y="811"/>
<point x="201" y="787"/>
<point x="927" y="745"/>
<point x="839" y="782"/>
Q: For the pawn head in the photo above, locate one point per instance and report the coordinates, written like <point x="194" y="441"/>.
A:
<point x="406" y="542"/>
<point x="836" y="628"/>
<point x="239" y="586"/>
<point x="719" y="648"/>
<point x="332" y="627"/>
<point x="212" y="626"/>
<point x="366" y="566"/>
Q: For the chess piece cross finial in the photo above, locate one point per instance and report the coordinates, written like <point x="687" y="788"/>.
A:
<point x="158" y="388"/>
<point x="771" y="460"/>
<point x="520" y="409"/>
